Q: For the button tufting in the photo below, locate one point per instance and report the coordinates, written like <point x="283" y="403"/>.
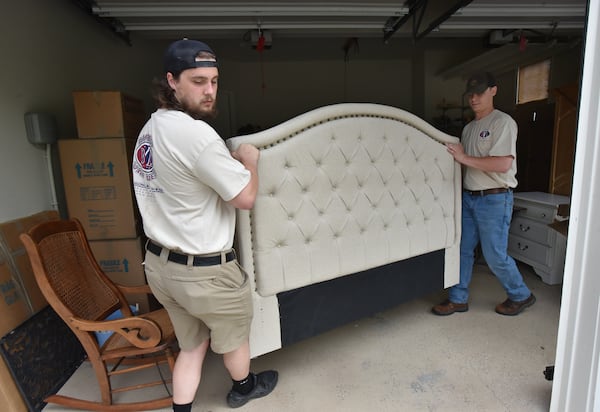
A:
<point x="343" y="191"/>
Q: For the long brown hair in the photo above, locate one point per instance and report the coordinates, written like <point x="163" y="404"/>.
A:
<point x="164" y="95"/>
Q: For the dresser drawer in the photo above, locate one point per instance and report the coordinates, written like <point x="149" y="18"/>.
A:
<point x="535" y="211"/>
<point x="530" y="229"/>
<point x="529" y="251"/>
<point x="532" y="241"/>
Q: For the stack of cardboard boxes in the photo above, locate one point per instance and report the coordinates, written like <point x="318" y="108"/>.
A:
<point x="20" y="299"/>
<point x="96" y="169"/>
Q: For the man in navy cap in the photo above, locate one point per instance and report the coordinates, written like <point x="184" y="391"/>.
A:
<point x="488" y="154"/>
<point x="188" y="186"/>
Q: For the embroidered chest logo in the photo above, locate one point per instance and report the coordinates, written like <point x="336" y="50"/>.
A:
<point x="143" y="163"/>
<point x="484" y="135"/>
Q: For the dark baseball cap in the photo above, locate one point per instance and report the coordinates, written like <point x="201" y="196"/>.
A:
<point x="183" y="54"/>
<point x="479" y="82"/>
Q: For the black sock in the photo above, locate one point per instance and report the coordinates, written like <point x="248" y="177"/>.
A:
<point x="245" y="385"/>
<point x="182" y="408"/>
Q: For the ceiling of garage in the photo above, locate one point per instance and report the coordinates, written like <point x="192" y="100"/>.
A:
<point x="496" y="20"/>
<point x="546" y="27"/>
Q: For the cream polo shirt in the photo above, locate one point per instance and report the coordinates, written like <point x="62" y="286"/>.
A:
<point x="494" y="135"/>
<point x="183" y="176"/>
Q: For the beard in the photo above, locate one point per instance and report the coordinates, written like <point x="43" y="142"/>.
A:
<point x="198" y="113"/>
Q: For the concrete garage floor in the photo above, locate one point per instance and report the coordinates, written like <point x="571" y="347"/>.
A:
<point x="405" y="359"/>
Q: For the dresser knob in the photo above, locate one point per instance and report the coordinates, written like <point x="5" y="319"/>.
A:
<point x="522" y="247"/>
<point x="524" y="228"/>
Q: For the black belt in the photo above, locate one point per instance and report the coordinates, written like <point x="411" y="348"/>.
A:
<point x="183" y="259"/>
<point x="487" y="191"/>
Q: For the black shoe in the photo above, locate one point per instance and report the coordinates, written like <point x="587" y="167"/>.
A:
<point x="264" y="383"/>
<point x="512" y="308"/>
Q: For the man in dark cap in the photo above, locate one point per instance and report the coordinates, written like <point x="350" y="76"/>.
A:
<point x="188" y="186"/>
<point x="488" y="154"/>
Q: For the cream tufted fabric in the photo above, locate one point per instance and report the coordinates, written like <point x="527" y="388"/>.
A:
<point x="345" y="188"/>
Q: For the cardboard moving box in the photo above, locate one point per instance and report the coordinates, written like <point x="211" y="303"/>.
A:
<point x="122" y="261"/>
<point x="10" y="397"/>
<point x="14" y="307"/>
<point x="98" y="186"/>
<point x="20" y="297"/>
<point x="108" y="114"/>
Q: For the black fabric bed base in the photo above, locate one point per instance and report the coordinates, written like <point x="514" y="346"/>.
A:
<point x="320" y="307"/>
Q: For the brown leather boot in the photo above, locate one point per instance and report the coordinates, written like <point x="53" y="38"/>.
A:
<point x="448" y="308"/>
<point x="512" y="308"/>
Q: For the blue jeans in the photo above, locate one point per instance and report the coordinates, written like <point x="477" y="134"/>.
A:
<point x="486" y="220"/>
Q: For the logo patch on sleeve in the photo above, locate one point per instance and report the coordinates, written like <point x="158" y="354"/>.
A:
<point x="143" y="163"/>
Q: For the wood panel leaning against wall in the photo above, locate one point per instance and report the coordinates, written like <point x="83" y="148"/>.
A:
<point x="563" y="145"/>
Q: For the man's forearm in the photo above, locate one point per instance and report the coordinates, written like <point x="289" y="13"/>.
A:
<point x="494" y="164"/>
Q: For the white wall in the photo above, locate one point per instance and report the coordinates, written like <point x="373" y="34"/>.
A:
<point x="50" y="48"/>
<point x="291" y="88"/>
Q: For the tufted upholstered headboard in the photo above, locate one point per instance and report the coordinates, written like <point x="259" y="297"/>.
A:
<point x="343" y="189"/>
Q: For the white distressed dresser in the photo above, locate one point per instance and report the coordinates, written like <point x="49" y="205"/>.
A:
<point x="532" y="241"/>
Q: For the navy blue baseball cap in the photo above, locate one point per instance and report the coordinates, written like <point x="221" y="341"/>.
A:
<point x="479" y="82"/>
<point x="183" y="54"/>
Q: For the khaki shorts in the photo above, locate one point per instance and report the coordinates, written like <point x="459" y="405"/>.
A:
<point x="203" y="302"/>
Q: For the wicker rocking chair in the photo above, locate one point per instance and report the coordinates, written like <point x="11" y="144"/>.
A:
<point x="83" y="296"/>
